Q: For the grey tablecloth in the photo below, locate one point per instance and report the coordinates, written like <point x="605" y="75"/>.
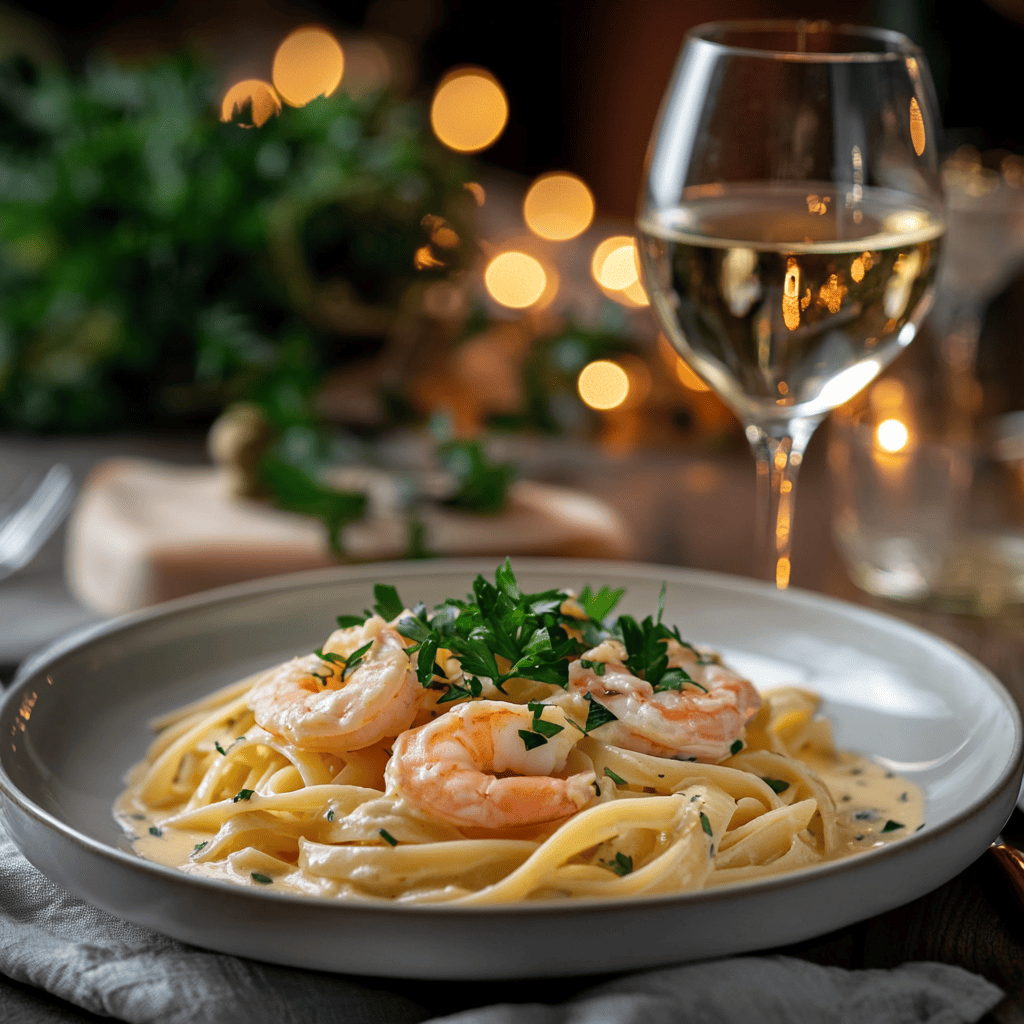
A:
<point x="62" y="960"/>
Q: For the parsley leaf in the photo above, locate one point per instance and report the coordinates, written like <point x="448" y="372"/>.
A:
<point x="347" y="621"/>
<point x="154" y="831"/>
<point x="776" y="785"/>
<point x="597" y="714"/>
<point x="258" y="876"/>
<point x="599" y="605"/>
<point x="199" y="846"/>
<point x="456" y="692"/>
<point x="220" y="750"/>
<point x="242" y="794"/>
<point x="388" y="837"/>
<point x="615" y="778"/>
<point x="736" y="747"/>
<point x="892" y="826"/>
<point x="705" y="823"/>
<point x="531" y="739"/>
<point x="621" y="865"/>
<point x="387" y="604"/>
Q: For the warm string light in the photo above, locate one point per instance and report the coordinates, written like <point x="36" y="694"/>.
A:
<point x="469" y="110"/>
<point x="615" y="270"/>
<point x="558" y="207"/>
<point x="308" y="63"/>
<point x="603" y="384"/>
<point x="515" y="279"/>
<point x="261" y="95"/>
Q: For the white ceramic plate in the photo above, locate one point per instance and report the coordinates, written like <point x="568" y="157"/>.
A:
<point x="74" y="721"/>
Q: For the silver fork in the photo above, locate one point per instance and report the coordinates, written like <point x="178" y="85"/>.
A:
<point x="24" y="530"/>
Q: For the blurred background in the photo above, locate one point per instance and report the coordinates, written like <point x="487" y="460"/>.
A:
<point x="288" y="237"/>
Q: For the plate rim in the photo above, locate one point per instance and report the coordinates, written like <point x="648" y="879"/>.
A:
<point x="82" y="638"/>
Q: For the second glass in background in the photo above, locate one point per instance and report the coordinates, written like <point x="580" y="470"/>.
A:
<point x="928" y="465"/>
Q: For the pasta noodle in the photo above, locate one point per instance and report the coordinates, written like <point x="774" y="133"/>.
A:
<point x="591" y="761"/>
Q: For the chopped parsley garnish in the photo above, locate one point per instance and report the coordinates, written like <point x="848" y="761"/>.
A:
<point x="597" y="714"/>
<point x="646" y="654"/>
<point x="154" y="831"/>
<point x="705" y="824"/>
<point x="387" y="604"/>
<point x="497" y="621"/>
<point x="330" y="814"/>
<point x="220" y="749"/>
<point x="599" y="605"/>
<point x="736" y="747"/>
<point x="615" y="778"/>
<point x="388" y="837"/>
<point x="258" y="876"/>
<point x="775" y="785"/>
<point x="347" y="664"/>
<point x="540" y="730"/>
<point x="456" y="692"/>
<point x="199" y="846"/>
<point x="864" y="815"/>
<point x="621" y="864"/>
<point x="242" y="794"/>
<point x="531" y="739"/>
<point x="598" y="666"/>
<point x="545" y="728"/>
<point x="347" y="621"/>
<point x="676" y="679"/>
<point x="892" y="826"/>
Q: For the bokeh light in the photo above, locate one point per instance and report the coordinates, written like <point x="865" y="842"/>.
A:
<point x="308" y="63"/>
<point x="603" y="384"/>
<point x="558" y="207"/>
<point x="892" y="435"/>
<point x="265" y="101"/>
<point x="469" y="110"/>
<point x="617" y="270"/>
<point x="515" y="279"/>
<point x="476" y="190"/>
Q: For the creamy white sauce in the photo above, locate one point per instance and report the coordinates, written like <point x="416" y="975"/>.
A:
<point x="874" y="808"/>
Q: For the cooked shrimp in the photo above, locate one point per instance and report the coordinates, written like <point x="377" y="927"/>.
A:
<point x="686" y="723"/>
<point x="312" y="703"/>
<point x="471" y="767"/>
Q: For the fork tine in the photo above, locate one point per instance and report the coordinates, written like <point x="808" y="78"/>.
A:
<point x="23" y="533"/>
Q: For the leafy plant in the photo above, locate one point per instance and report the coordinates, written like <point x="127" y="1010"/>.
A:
<point x="156" y="263"/>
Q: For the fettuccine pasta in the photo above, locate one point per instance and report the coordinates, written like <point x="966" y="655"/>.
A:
<point x="504" y="748"/>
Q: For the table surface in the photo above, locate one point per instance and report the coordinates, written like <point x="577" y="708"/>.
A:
<point x="686" y="509"/>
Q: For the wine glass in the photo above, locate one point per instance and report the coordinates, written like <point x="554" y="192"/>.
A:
<point x="790" y="227"/>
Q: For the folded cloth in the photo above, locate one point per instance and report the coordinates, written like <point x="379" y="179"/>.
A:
<point x="87" y="963"/>
<point x="144" y="531"/>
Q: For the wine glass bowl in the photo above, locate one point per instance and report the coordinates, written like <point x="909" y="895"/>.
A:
<point x="790" y="227"/>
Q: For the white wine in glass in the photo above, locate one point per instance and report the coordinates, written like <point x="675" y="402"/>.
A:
<point x="790" y="228"/>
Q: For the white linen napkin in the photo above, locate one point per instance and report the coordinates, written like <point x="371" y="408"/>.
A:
<point x="63" y="961"/>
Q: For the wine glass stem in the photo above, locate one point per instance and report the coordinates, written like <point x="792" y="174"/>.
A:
<point x="779" y="451"/>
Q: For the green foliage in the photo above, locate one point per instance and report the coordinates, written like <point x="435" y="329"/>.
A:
<point x="156" y="263"/>
<point x="481" y="485"/>
<point x="551" y="370"/>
